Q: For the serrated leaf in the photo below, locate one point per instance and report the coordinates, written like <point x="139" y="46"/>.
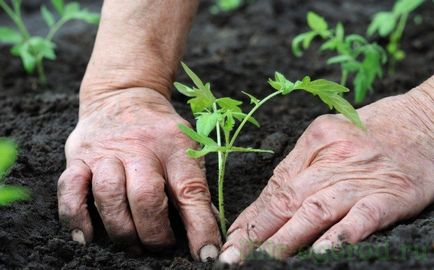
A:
<point x="195" y="136"/>
<point x="59" y="6"/>
<point x="316" y="22"/>
<point x="229" y="104"/>
<point x="10" y="194"/>
<point x="10" y="36"/>
<point x="206" y="122"/>
<point x="196" y="80"/>
<point x="47" y="16"/>
<point x="229" y="122"/>
<point x="342" y="106"/>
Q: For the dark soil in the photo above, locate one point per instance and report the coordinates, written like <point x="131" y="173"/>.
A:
<point x="236" y="51"/>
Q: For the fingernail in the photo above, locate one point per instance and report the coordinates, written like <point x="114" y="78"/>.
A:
<point x="208" y="251"/>
<point x="322" y="247"/>
<point x="78" y="236"/>
<point x="230" y="256"/>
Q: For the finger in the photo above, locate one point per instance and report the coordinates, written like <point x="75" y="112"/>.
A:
<point x="72" y="191"/>
<point x="277" y="210"/>
<point x="109" y="192"/>
<point x="316" y="214"/>
<point x="149" y="203"/>
<point x="190" y="192"/>
<point x="370" y="214"/>
<point x="291" y="166"/>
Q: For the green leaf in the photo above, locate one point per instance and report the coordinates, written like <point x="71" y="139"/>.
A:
<point x="204" y="151"/>
<point x="344" y="107"/>
<point x="42" y="47"/>
<point x="383" y="23"/>
<point x="8" y="155"/>
<point x="206" y="122"/>
<point x="195" y="136"/>
<point x="72" y="11"/>
<point x="27" y="58"/>
<point x="406" y="6"/>
<point x="329" y="45"/>
<point x="203" y="98"/>
<point x="10" y="194"/>
<point x="253" y="99"/>
<point x="339" y="59"/>
<point x="229" y="104"/>
<point x="47" y="16"/>
<point x="240" y="117"/>
<point x="296" y="44"/>
<point x="59" y="6"/>
<point x="10" y="36"/>
<point x="316" y="22"/>
<point x="280" y="83"/>
<point x="229" y="122"/>
<point x="196" y="80"/>
<point x="184" y="89"/>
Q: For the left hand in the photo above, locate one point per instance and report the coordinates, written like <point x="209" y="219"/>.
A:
<point x="341" y="184"/>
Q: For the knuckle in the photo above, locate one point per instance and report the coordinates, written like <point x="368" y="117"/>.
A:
<point x="284" y="203"/>
<point x="317" y="212"/>
<point x="370" y="213"/>
<point x="151" y="194"/>
<point x="191" y="190"/>
<point x="320" y="127"/>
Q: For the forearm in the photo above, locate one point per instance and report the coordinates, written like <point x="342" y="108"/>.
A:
<point x="139" y="44"/>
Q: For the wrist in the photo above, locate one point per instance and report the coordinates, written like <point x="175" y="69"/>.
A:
<point x="419" y="102"/>
<point x="123" y="100"/>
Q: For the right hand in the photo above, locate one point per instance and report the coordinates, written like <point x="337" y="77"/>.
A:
<point x="128" y="149"/>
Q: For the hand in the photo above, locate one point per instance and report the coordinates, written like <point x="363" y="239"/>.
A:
<point x="128" y="148"/>
<point x="341" y="184"/>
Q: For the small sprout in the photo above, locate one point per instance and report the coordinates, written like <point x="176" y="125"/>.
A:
<point x="391" y="24"/>
<point x="33" y="50"/>
<point x="9" y="194"/>
<point x="225" y="6"/>
<point x="225" y="117"/>
<point x="354" y="54"/>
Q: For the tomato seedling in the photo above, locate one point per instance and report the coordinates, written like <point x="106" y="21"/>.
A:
<point x="9" y="194"/>
<point x="353" y="52"/>
<point x="391" y="24"/>
<point x="33" y="50"/>
<point x="225" y="116"/>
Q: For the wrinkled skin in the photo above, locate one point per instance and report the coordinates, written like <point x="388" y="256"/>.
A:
<point x="128" y="148"/>
<point x="340" y="184"/>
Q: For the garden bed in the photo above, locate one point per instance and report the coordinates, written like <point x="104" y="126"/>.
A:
<point x="236" y="51"/>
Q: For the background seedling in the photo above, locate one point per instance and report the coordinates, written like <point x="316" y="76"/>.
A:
<point x="225" y="5"/>
<point x="9" y="194"/>
<point x="33" y="50"/>
<point x="354" y="53"/>
<point x="225" y="116"/>
<point x="391" y="24"/>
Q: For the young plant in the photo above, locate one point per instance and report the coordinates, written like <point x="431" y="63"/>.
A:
<point x="9" y="194"/>
<point x="391" y="24"/>
<point x="225" y="6"/>
<point x="225" y="116"/>
<point x="33" y="50"/>
<point x="355" y="55"/>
